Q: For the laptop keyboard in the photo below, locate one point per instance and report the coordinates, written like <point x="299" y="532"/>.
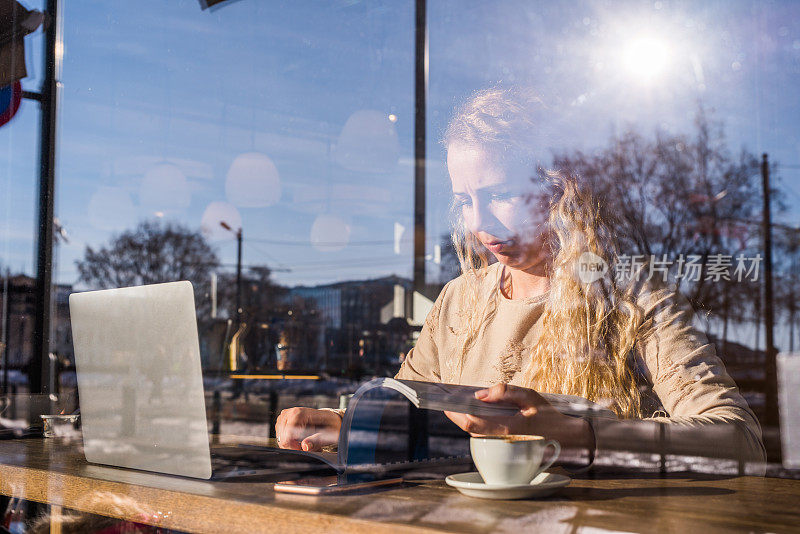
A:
<point x="252" y="460"/>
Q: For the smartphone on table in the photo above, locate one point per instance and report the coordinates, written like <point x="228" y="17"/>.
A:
<point x="331" y="485"/>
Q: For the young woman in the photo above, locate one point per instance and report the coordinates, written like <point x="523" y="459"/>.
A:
<point x="534" y="321"/>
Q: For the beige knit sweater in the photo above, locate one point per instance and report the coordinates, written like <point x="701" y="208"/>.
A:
<point x="704" y="413"/>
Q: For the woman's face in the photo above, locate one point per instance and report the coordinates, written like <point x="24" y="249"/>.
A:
<point x="502" y="207"/>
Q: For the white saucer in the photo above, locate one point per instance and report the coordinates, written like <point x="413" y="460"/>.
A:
<point x="473" y="485"/>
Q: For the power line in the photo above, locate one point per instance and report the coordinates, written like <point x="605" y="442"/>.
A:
<point x="268" y="255"/>
<point x="343" y="267"/>
<point x="297" y="243"/>
<point x="250" y="266"/>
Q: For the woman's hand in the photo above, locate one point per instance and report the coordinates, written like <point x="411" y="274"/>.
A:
<point x="307" y="429"/>
<point x="536" y="417"/>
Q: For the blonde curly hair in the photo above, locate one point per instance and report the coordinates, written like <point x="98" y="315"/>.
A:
<point x="590" y="330"/>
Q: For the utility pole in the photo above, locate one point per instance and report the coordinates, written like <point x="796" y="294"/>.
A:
<point x="771" y="378"/>
<point x="238" y="234"/>
<point x="39" y="376"/>
<point x="239" y="276"/>
<point x="420" y="103"/>
<point x="418" y="419"/>
<point x="6" y="327"/>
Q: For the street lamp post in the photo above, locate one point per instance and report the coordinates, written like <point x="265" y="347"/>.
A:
<point x="238" y="270"/>
<point x="771" y="375"/>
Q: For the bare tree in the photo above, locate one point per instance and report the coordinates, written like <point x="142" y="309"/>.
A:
<point x="679" y="195"/>
<point x="151" y="253"/>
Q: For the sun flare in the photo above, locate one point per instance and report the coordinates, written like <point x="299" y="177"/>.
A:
<point x="646" y="58"/>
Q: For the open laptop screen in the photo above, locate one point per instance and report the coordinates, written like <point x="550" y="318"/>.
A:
<point x="140" y="380"/>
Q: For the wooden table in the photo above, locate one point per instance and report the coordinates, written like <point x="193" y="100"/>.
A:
<point x="54" y="471"/>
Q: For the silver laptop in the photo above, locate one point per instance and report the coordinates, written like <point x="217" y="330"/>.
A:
<point x="140" y="383"/>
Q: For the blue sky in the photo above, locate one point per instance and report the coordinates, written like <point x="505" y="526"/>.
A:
<point x="157" y="91"/>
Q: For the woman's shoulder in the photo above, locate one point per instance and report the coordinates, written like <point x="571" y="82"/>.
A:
<point x="655" y="294"/>
<point x="659" y="304"/>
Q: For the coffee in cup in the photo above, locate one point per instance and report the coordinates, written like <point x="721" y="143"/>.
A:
<point x="512" y="459"/>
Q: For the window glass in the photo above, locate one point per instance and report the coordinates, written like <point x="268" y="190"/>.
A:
<point x="591" y="218"/>
<point x="667" y="109"/>
<point x="19" y="137"/>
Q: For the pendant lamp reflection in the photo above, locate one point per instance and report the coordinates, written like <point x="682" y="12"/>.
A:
<point x="111" y="208"/>
<point x="164" y="188"/>
<point x="216" y="213"/>
<point x="329" y="233"/>
<point x="368" y="142"/>
<point x="252" y="181"/>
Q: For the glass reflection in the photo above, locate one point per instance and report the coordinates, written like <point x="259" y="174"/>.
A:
<point x="291" y="127"/>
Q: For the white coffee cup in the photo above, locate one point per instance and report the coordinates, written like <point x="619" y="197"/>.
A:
<point x="515" y="459"/>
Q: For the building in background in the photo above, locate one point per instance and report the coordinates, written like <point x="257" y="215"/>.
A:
<point x="19" y="322"/>
<point x="360" y="326"/>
